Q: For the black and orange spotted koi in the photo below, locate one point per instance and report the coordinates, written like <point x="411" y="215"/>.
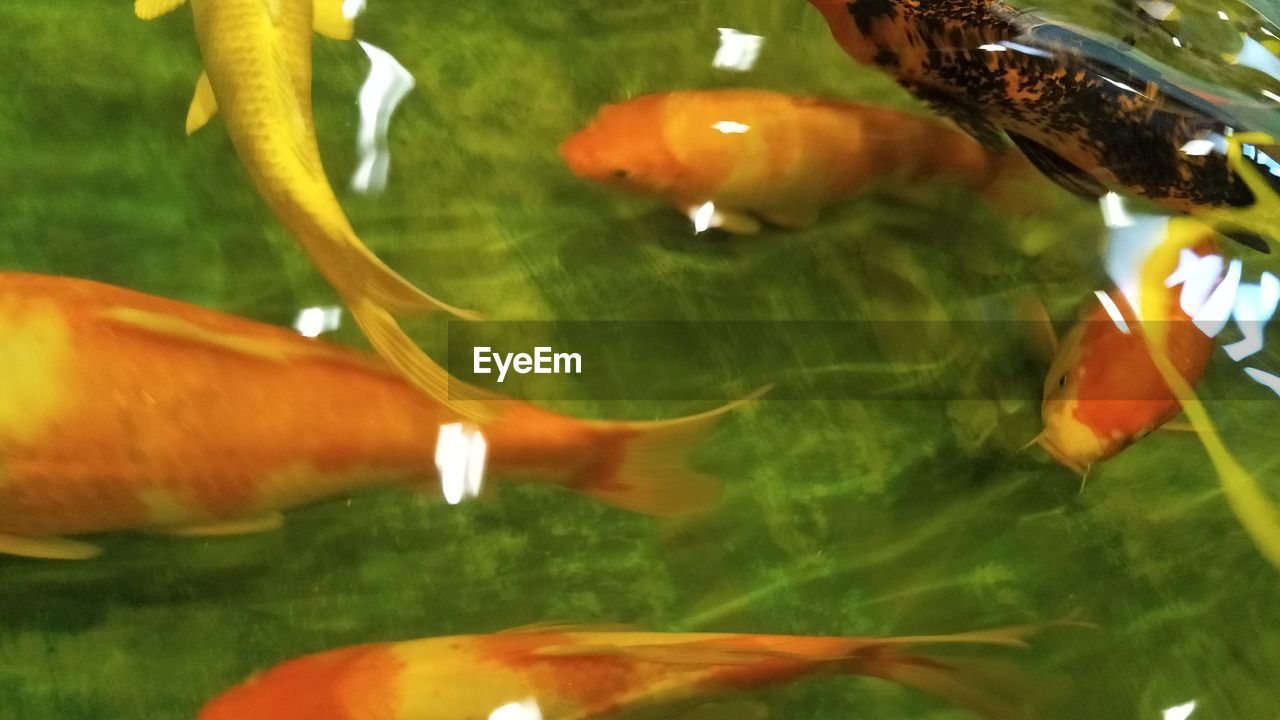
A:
<point x="1093" y="116"/>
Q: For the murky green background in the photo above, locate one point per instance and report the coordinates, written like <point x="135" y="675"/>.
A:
<point x="839" y="517"/>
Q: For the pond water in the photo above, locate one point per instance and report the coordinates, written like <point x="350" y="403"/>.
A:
<point x="846" y="510"/>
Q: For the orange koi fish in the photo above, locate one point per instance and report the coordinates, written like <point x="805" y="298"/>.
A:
<point x="757" y="154"/>
<point x="581" y="673"/>
<point x="123" y="411"/>
<point x="1103" y="391"/>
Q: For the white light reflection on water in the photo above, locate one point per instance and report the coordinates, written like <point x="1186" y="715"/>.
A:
<point x="352" y="8"/>
<point x="738" y="50"/>
<point x="1264" y="378"/>
<point x="729" y="127"/>
<point x="386" y="86"/>
<point x="1113" y="311"/>
<point x="523" y="710"/>
<point x="704" y="217"/>
<point x="1211" y="298"/>
<point x="1179" y="712"/>
<point x="461" y="452"/>
<point x="314" y="321"/>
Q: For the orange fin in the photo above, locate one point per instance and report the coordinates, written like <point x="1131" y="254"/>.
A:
<point x="652" y="476"/>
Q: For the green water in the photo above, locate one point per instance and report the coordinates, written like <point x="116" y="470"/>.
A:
<point x="850" y="517"/>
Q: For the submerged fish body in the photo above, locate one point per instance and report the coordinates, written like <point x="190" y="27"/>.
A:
<point x="1090" y="116"/>
<point x="257" y="58"/>
<point x="124" y="411"/>
<point x="1103" y="391"/>
<point x="758" y="154"/>
<point x="580" y="673"/>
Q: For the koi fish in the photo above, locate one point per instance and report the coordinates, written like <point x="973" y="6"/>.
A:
<point x="124" y="411"/>
<point x="575" y="673"/>
<point x="758" y="154"/>
<point x="257" y="73"/>
<point x="1103" y="391"/>
<point x="1091" y="114"/>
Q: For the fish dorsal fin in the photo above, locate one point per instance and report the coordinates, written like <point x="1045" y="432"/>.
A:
<point x="330" y="21"/>
<point x="203" y="105"/>
<point x="676" y="653"/>
<point x="271" y="349"/>
<point x="152" y="9"/>
<point x="559" y="627"/>
<point x="1037" y="326"/>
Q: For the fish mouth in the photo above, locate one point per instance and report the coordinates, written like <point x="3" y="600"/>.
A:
<point x="1057" y="453"/>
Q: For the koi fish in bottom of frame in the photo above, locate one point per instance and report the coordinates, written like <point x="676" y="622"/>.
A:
<point x="123" y="411"/>
<point x="551" y="673"/>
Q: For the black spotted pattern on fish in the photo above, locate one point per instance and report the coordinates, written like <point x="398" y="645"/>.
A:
<point x="1100" y="118"/>
<point x="866" y="12"/>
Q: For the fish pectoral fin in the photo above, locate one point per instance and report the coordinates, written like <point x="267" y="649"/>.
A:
<point x="47" y="548"/>
<point x="203" y="105"/>
<point x="1037" y="326"/>
<point x="152" y="9"/>
<point x="330" y="21"/>
<point x="1059" y="169"/>
<point x="222" y="528"/>
<point x="795" y="217"/>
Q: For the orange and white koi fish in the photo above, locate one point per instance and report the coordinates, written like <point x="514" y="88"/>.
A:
<point x="756" y="154"/>
<point x="1103" y="391"/>
<point x="123" y="411"/>
<point x="257" y="73"/>
<point x="581" y="673"/>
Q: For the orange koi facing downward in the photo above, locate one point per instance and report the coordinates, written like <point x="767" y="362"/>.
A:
<point x="757" y="154"/>
<point x="578" y="674"/>
<point x="1103" y="391"/>
<point x="123" y="411"/>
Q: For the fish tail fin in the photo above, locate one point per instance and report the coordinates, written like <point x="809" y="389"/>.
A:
<point x="643" y="466"/>
<point x="371" y="278"/>
<point x="403" y="354"/>
<point x="989" y="688"/>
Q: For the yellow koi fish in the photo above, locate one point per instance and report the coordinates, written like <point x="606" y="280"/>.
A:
<point x="257" y="73"/>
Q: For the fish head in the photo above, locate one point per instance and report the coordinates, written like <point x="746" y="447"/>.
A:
<point x="1066" y="437"/>
<point x="624" y="148"/>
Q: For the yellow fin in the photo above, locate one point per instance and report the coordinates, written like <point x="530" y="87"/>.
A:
<point x="1257" y="513"/>
<point x="402" y="354"/>
<point x="151" y="9"/>
<point x="47" y="548"/>
<point x="240" y="526"/>
<point x="330" y="21"/>
<point x="203" y="104"/>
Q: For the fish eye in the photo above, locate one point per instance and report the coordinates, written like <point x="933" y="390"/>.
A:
<point x="622" y="173"/>
<point x="1062" y="381"/>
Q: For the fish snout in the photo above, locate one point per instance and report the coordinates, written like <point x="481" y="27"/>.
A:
<point x="1074" y="459"/>
<point x="577" y="155"/>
